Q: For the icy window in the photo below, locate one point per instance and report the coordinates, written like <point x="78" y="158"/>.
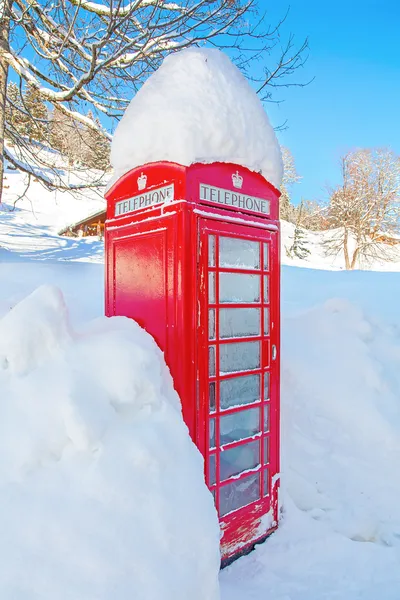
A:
<point x="239" y="493"/>
<point x="239" y="287"/>
<point x="211" y="361"/>
<point x="239" y="356"/>
<point x="211" y="393"/>
<point x="239" y="322"/>
<point x="266" y="257"/>
<point x="211" y="287"/>
<point x="239" y="425"/>
<point x="211" y="324"/>
<point x="237" y="253"/>
<point x="211" y="470"/>
<point x="266" y="289"/>
<point x="266" y="450"/>
<point x="266" y="386"/>
<point x="266" y="321"/>
<point x="266" y="418"/>
<point x="212" y="433"/>
<point x="211" y="250"/>
<point x="266" y="483"/>
<point x="239" y="459"/>
<point x="239" y="390"/>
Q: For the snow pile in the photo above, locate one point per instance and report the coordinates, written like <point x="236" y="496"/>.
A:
<point x="341" y="420"/>
<point x="197" y="107"/>
<point x="102" y="491"/>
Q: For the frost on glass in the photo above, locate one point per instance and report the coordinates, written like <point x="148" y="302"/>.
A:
<point x="239" y="390"/>
<point x="266" y="257"/>
<point x="211" y="287"/>
<point x="211" y="324"/>
<point x="239" y="459"/>
<point x="211" y="361"/>
<point x="266" y="386"/>
<point x="266" y="483"/>
<point x="212" y="433"/>
<point x="239" y="426"/>
<point x="239" y="288"/>
<point x="239" y="322"/>
<point x="239" y="254"/>
<point x="211" y="470"/>
<point x="211" y="393"/>
<point x="239" y="493"/>
<point x="239" y="356"/>
<point x="211" y="250"/>
<point x="266" y="288"/>
<point x="266" y="418"/>
<point x="266" y="450"/>
<point x="266" y="321"/>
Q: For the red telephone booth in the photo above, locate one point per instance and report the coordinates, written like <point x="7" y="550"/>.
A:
<point x="192" y="254"/>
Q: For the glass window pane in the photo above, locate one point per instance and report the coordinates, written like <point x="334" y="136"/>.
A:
<point x="239" y="390"/>
<point x="239" y="459"/>
<point x="211" y="470"/>
<point x="266" y="256"/>
<point x="237" y="253"/>
<point x="211" y="250"/>
<point x="266" y="450"/>
<point x="266" y="483"/>
<point x="239" y="322"/>
<point x="266" y="289"/>
<point x="266" y="418"/>
<point x="211" y="324"/>
<point x="266" y="386"/>
<point x="211" y="287"/>
<point x="239" y="287"/>
<point x="239" y="493"/>
<point x="211" y="361"/>
<point x="212" y="433"/>
<point x="240" y="356"/>
<point x="266" y="321"/>
<point x="240" y="425"/>
<point x="211" y="392"/>
<point x="214" y="494"/>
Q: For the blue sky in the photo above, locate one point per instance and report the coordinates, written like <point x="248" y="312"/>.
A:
<point x="354" y="100"/>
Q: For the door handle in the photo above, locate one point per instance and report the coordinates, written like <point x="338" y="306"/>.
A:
<point x="274" y="352"/>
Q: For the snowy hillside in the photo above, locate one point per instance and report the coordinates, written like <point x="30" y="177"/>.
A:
<point x="339" y="537"/>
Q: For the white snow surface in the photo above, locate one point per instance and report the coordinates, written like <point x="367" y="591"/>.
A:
<point x="197" y="107"/>
<point x="72" y="483"/>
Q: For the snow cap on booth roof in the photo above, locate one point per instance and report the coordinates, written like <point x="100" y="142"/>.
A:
<point x="197" y="107"/>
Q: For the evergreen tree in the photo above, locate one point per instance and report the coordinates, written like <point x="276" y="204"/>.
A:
<point x="36" y="120"/>
<point x="96" y="150"/>
<point x="14" y="115"/>
<point x="299" y="247"/>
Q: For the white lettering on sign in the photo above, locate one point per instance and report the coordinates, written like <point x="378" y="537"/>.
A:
<point x="228" y="198"/>
<point x="163" y="194"/>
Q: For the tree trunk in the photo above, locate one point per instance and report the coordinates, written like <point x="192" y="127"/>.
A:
<point x="5" y="8"/>
<point x="354" y="259"/>
<point x="346" y="250"/>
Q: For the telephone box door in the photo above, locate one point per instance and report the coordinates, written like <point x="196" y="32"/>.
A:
<point x="238" y="377"/>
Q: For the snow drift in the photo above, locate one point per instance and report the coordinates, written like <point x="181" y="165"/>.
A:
<point x="197" y="107"/>
<point x="102" y="491"/>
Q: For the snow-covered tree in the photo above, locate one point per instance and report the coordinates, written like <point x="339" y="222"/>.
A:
<point x="365" y="206"/>
<point x="83" y="55"/>
<point x="287" y="210"/>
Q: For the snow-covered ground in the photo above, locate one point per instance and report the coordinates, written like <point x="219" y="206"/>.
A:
<point x="339" y="537"/>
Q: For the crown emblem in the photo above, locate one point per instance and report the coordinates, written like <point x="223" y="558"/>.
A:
<point x="142" y="181"/>
<point x="237" y="180"/>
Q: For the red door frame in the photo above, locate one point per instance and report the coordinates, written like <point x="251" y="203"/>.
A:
<point x="251" y="523"/>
